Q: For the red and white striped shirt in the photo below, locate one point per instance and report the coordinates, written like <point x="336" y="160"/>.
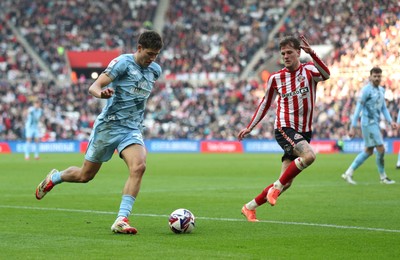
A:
<point x="296" y="93"/>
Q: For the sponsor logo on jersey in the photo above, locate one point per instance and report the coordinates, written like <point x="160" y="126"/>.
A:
<point x="301" y="91"/>
<point x="140" y="91"/>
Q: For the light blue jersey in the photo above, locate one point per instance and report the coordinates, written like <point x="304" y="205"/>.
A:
<point x="132" y="85"/>
<point x="120" y="122"/>
<point x="371" y="104"/>
<point x="398" y="117"/>
<point x="32" y="122"/>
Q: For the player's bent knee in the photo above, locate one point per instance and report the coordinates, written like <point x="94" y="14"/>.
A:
<point x="302" y="163"/>
<point x="310" y="158"/>
<point x="138" y="169"/>
<point x="369" y="153"/>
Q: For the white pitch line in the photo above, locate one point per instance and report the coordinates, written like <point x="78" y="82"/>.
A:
<point x="209" y="218"/>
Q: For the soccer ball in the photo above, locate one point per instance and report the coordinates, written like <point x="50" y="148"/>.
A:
<point x="181" y="221"/>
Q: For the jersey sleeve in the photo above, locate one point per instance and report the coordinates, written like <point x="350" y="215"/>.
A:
<point x="265" y="103"/>
<point x="386" y="113"/>
<point x="321" y="72"/>
<point x="116" y="67"/>
<point x="398" y="117"/>
<point x="157" y="71"/>
<point x="29" y="115"/>
<point x="385" y="110"/>
<point x="360" y="103"/>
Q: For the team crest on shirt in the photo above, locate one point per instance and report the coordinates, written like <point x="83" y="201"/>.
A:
<point x="300" y="78"/>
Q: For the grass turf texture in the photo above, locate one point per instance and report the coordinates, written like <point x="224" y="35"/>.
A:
<point x="320" y="217"/>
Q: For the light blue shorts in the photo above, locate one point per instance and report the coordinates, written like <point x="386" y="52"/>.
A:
<point x="32" y="132"/>
<point x="104" y="140"/>
<point x="372" y="135"/>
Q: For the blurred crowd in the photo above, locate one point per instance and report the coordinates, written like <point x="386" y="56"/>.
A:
<point x="52" y="27"/>
<point x="217" y="36"/>
<point x="69" y="113"/>
<point x="209" y="36"/>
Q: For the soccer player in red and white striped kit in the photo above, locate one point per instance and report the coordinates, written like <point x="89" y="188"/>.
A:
<point x="294" y="87"/>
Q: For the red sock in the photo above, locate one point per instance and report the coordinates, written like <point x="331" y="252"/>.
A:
<point x="290" y="173"/>
<point x="261" y="198"/>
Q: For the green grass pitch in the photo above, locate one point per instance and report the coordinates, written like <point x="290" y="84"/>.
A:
<point x="320" y="217"/>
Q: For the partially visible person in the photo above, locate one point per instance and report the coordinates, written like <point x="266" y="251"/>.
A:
<point x="32" y="129"/>
<point x="339" y="145"/>
<point x="126" y="84"/>
<point x="370" y="104"/>
<point x="398" y="156"/>
<point x="295" y="86"/>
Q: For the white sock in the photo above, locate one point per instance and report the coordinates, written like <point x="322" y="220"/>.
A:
<point x="278" y="185"/>
<point x="252" y="205"/>
<point x="349" y="172"/>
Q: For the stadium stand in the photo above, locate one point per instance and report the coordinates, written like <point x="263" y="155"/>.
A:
<point x="208" y="36"/>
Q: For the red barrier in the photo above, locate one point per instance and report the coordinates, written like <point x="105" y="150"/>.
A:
<point x="324" y="146"/>
<point x="83" y="146"/>
<point x="396" y="147"/>
<point x="91" y="59"/>
<point x="221" y="147"/>
<point x="5" y="148"/>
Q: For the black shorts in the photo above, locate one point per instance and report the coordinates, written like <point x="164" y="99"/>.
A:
<point x="287" y="138"/>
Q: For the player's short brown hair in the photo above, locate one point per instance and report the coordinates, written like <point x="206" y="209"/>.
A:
<point x="150" y="40"/>
<point x="291" y="41"/>
<point x="375" y="70"/>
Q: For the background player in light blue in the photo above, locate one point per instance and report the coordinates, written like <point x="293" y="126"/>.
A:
<point x="126" y="84"/>
<point x="32" y="129"/>
<point x="371" y="104"/>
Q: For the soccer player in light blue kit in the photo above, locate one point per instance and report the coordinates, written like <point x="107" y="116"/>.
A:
<point x="371" y="104"/>
<point x="126" y="84"/>
<point x="32" y="130"/>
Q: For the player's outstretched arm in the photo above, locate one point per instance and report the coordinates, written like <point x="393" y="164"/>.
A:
<point x="319" y="64"/>
<point x="305" y="45"/>
<point x="96" y="89"/>
<point x="351" y="132"/>
<point x="242" y="134"/>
